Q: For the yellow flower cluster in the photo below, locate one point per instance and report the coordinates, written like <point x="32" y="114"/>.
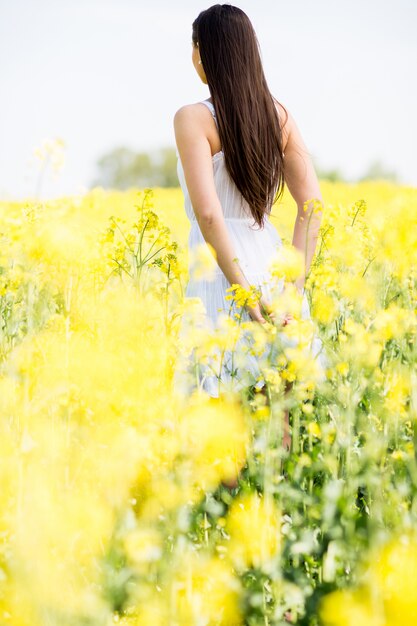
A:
<point x="387" y="597"/>
<point x="287" y="264"/>
<point x="243" y="297"/>
<point x="254" y="525"/>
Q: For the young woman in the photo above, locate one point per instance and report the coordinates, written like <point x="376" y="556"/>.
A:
<point x="236" y="151"/>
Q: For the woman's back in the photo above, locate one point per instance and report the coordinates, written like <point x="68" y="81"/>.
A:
<point x="234" y="206"/>
<point x="254" y="246"/>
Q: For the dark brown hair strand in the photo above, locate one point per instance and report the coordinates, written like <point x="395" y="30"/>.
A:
<point x="248" y="121"/>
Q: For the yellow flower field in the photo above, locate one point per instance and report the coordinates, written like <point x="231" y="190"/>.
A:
<point x="114" y="501"/>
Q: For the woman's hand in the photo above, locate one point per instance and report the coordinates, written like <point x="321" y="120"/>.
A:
<point x="256" y="314"/>
<point x="267" y="307"/>
<point x="262" y="312"/>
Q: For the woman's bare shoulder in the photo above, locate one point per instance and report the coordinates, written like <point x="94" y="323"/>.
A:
<point x="190" y="111"/>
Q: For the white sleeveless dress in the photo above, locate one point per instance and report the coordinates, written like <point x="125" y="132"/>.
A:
<point x="254" y="248"/>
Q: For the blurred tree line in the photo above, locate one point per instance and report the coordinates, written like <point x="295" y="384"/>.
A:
<point x="123" y="168"/>
<point x="375" y="171"/>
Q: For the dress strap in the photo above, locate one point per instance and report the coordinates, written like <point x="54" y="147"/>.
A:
<point x="211" y="108"/>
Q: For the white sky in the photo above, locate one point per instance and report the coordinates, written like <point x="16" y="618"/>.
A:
<point x="104" y="73"/>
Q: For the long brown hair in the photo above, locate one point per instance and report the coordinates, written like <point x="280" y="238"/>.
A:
<point x="248" y="121"/>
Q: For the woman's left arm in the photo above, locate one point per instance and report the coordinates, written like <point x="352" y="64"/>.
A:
<point x="303" y="185"/>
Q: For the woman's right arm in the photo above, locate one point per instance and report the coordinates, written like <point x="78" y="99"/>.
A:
<point x="195" y="154"/>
